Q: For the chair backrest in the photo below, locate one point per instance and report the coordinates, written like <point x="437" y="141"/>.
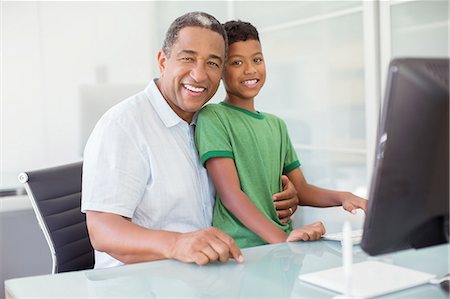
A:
<point x="55" y="194"/>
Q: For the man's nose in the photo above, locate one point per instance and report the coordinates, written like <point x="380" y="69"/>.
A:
<point x="198" y="72"/>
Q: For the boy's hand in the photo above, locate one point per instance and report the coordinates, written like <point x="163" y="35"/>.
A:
<point x="351" y="202"/>
<point x="309" y="232"/>
<point x="286" y="201"/>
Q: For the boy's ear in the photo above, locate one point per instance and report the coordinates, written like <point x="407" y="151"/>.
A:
<point x="162" y="60"/>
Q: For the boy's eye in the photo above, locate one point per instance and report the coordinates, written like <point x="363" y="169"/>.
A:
<point x="258" y="60"/>
<point x="236" y="62"/>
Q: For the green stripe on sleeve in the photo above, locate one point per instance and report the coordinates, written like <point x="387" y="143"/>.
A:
<point x="291" y="167"/>
<point x="216" y="154"/>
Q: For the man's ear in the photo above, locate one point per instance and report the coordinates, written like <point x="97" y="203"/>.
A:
<point x="162" y="60"/>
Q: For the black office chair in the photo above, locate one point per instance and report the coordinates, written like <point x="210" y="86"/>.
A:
<point x="55" y="194"/>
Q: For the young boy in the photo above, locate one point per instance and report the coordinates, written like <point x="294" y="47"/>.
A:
<point x="246" y="152"/>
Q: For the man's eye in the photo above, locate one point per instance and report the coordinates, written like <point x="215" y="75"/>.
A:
<point x="212" y="63"/>
<point x="186" y="59"/>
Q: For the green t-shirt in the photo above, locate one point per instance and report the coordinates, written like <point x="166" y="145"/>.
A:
<point x="262" y="151"/>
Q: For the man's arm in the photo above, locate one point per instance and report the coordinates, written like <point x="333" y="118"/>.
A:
<point x="310" y="195"/>
<point x="131" y="243"/>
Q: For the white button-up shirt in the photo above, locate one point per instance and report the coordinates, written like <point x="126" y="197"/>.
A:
<point x="141" y="162"/>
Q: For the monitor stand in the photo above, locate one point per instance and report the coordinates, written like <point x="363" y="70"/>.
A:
<point x="366" y="279"/>
<point x="443" y="282"/>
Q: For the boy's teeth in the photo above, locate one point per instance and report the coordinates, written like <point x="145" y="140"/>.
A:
<point x="250" y="81"/>
<point x="193" y="88"/>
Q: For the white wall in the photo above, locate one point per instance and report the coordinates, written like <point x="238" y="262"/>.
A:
<point x="52" y="50"/>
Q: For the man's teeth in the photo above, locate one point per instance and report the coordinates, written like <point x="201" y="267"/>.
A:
<point x="250" y="82"/>
<point x="193" y="88"/>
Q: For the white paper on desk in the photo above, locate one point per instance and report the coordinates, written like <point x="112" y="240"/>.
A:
<point x="369" y="279"/>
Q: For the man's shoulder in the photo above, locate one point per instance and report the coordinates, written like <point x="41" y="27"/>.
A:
<point x="129" y="108"/>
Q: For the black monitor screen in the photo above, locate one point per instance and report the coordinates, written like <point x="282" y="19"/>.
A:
<point x="409" y="191"/>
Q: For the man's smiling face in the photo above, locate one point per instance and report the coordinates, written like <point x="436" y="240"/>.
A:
<point x="190" y="76"/>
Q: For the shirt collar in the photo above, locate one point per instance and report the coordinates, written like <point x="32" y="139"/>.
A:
<point x="165" y="112"/>
<point x="194" y="118"/>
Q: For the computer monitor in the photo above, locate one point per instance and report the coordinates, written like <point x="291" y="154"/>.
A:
<point x="409" y="193"/>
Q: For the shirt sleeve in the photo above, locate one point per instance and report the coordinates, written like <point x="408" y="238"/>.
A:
<point x="115" y="172"/>
<point x="211" y="136"/>
<point x="291" y="161"/>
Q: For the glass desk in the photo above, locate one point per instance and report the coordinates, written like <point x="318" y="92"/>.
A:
<point x="269" y="271"/>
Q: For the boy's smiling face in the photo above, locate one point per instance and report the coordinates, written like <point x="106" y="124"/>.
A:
<point x="245" y="71"/>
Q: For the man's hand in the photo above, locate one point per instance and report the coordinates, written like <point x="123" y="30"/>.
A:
<point x="205" y="246"/>
<point x="286" y="201"/>
<point x="351" y="202"/>
<point x="309" y="232"/>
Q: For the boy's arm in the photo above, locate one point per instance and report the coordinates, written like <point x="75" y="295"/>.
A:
<point x="226" y="180"/>
<point x="310" y="195"/>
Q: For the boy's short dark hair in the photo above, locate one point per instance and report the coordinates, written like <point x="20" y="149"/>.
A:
<point x="239" y="31"/>
<point x="192" y="19"/>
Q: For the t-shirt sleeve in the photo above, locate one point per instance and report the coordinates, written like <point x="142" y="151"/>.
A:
<point x="291" y="161"/>
<point x="211" y="136"/>
<point x="115" y="172"/>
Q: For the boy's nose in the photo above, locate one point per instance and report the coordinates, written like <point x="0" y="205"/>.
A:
<point x="250" y="69"/>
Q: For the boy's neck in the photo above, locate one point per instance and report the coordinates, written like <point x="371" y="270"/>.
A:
<point x="247" y="104"/>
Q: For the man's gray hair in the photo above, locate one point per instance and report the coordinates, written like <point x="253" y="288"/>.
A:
<point x="192" y="19"/>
